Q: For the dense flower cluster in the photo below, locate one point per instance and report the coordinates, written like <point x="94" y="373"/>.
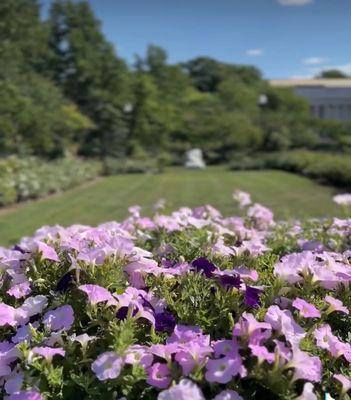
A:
<point x="190" y="305"/>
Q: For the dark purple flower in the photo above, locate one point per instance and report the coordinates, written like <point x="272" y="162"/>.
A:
<point x="167" y="263"/>
<point x="146" y="304"/>
<point x="64" y="283"/>
<point x="252" y="296"/>
<point x="18" y="248"/>
<point x="164" y="322"/>
<point x="123" y="312"/>
<point x="203" y="265"/>
<point x="229" y="281"/>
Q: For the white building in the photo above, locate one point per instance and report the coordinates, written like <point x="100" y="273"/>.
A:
<point x="329" y="98"/>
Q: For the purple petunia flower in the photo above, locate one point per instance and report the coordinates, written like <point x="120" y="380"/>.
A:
<point x="305" y="366"/>
<point x="34" y="305"/>
<point x="283" y="322"/>
<point x="192" y="354"/>
<point x="229" y="281"/>
<point x="137" y="354"/>
<point x="184" y="390"/>
<point x="307" y="393"/>
<point x="164" y="322"/>
<point x="262" y="353"/>
<point x="14" y="381"/>
<point x="306" y="309"/>
<point x="335" y="305"/>
<point x="228" y="395"/>
<point x="96" y="294"/>
<point x="252" y="296"/>
<point x="21" y="290"/>
<point x="25" y="395"/>
<point x="224" y="369"/>
<point x="345" y="382"/>
<point x="7" y="315"/>
<point x="47" y="252"/>
<point x="48" y="352"/>
<point x="225" y="347"/>
<point x="64" y="282"/>
<point x="60" y="318"/>
<point x="205" y="266"/>
<point x="164" y="350"/>
<point x="107" y="366"/>
<point x="159" y="375"/>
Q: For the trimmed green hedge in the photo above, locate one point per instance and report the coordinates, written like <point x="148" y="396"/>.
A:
<point x="329" y="168"/>
<point x="30" y="178"/>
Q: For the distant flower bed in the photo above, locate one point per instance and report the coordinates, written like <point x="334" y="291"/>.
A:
<point x="29" y="178"/>
<point x="187" y="306"/>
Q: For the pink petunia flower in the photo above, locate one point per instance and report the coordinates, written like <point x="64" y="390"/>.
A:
<point x="47" y="252"/>
<point x="242" y="198"/>
<point x="184" y="390"/>
<point x="194" y="354"/>
<point x="225" y="347"/>
<point x="107" y="366"/>
<point x="224" y="369"/>
<point x="7" y="315"/>
<point x="159" y="375"/>
<point x="137" y="354"/>
<point x="96" y="294"/>
<point x="305" y="366"/>
<point x="48" y="352"/>
<point x="262" y="353"/>
<point x="327" y="340"/>
<point x="306" y="309"/>
<point x="228" y="395"/>
<point x="283" y="322"/>
<point x="345" y="382"/>
<point x="21" y="290"/>
<point x="308" y="393"/>
<point x="335" y="305"/>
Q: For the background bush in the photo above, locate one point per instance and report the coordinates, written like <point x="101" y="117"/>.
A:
<point x="29" y="178"/>
<point x="332" y="168"/>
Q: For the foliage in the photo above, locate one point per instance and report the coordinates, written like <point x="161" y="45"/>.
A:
<point x="190" y="305"/>
<point x="28" y="178"/>
<point x="331" y="168"/>
<point x="63" y="86"/>
<point x="332" y="73"/>
<point x="84" y="64"/>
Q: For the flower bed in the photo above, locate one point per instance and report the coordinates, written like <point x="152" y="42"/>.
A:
<point x="29" y="178"/>
<point x="185" y="306"/>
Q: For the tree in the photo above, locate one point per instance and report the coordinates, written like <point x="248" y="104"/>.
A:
<point x="36" y="119"/>
<point x="23" y="37"/>
<point x="85" y="65"/>
<point x="204" y="72"/>
<point x="332" y="73"/>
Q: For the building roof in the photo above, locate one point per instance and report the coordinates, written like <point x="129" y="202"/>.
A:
<point x="339" y="83"/>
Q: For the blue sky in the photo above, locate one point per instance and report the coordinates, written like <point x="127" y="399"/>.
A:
<point x="284" y="38"/>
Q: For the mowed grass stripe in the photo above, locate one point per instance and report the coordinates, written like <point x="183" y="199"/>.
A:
<point x="108" y="198"/>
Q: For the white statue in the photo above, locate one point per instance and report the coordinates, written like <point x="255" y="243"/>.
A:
<point x="194" y="159"/>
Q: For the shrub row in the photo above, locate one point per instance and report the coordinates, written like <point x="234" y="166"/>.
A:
<point x="30" y="178"/>
<point x="329" y="168"/>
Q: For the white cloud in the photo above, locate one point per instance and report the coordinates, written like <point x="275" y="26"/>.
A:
<point x="314" y="61"/>
<point x="295" y="2"/>
<point x="254" y="52"/>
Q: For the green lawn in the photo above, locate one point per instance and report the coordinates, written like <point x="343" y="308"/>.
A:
<point x="108" y="198"/>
